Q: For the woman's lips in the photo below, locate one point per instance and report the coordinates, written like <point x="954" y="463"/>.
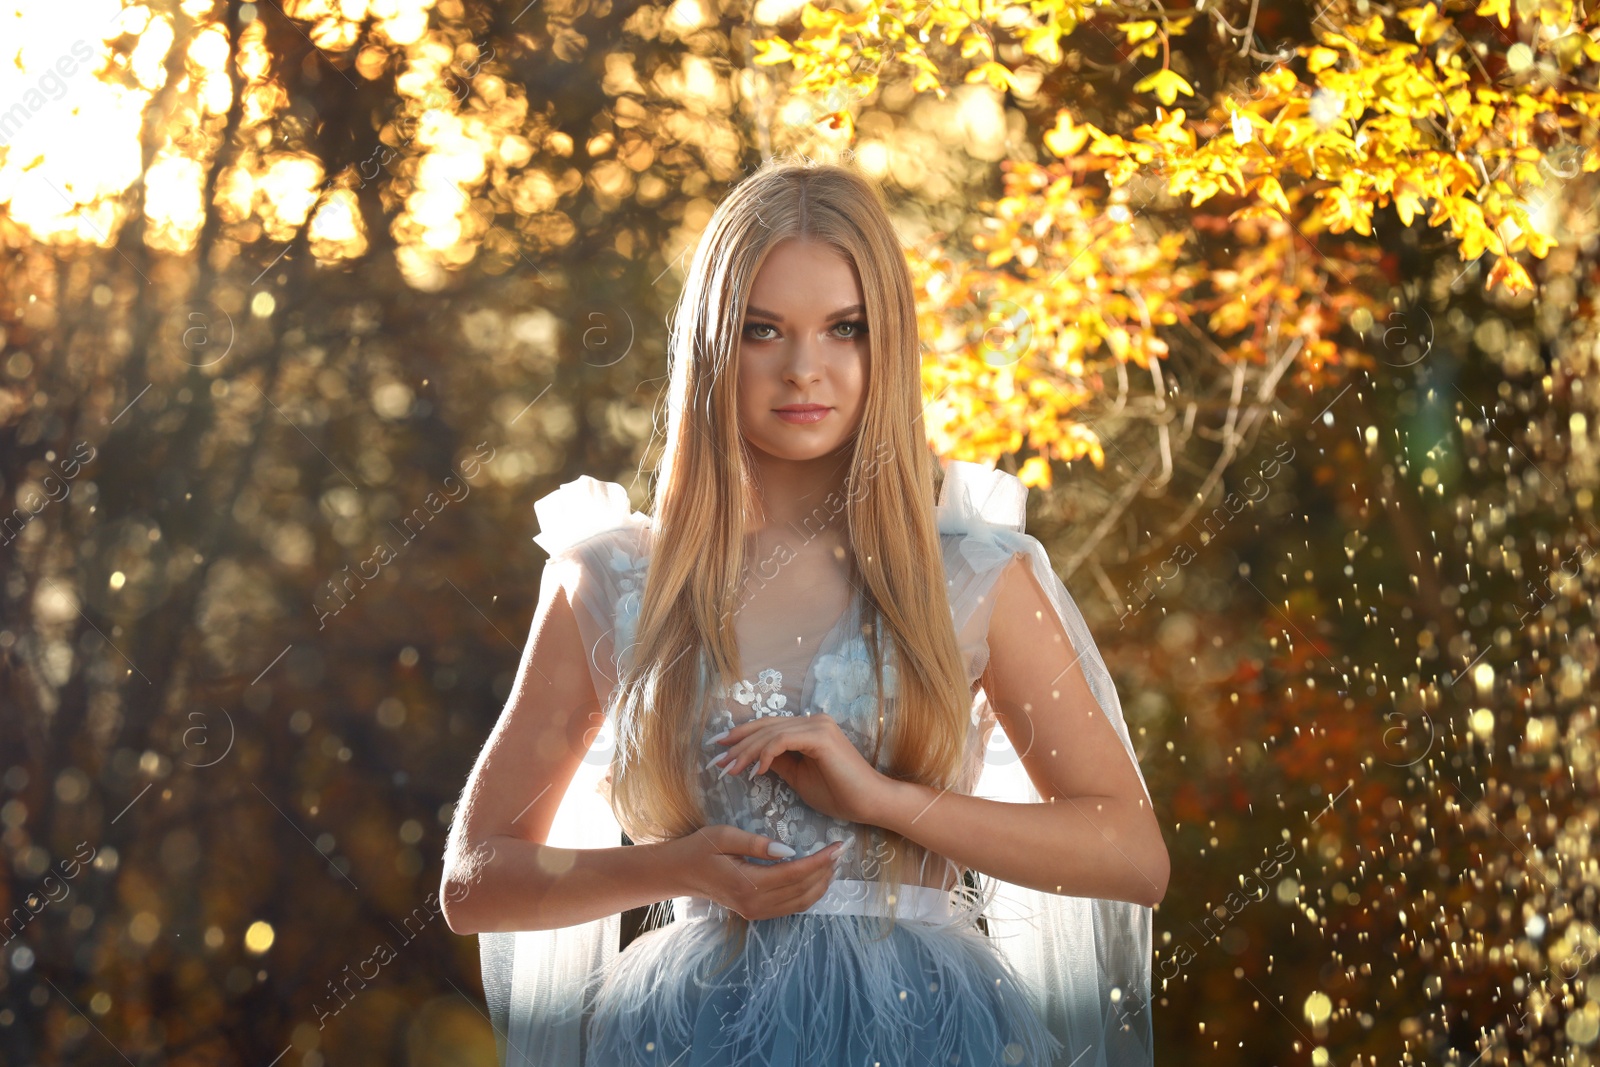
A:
<point x="802" y="415"/>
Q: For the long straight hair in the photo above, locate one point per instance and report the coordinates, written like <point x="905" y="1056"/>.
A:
<point x="705" y="491"/>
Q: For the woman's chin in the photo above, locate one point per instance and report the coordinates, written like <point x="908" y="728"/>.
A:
<point x="801" y="449"/>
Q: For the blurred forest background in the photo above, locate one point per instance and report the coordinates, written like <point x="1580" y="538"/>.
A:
<point x="1287" y="311"/>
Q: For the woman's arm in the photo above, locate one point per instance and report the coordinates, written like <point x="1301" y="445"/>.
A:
<point x="498" y="875"/>
<point x="1095" y="834"/>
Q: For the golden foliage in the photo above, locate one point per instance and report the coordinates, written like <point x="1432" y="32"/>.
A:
<point x="1397" y="111"/>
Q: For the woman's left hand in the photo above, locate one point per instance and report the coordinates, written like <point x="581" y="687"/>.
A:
<point x="814" y="757"/>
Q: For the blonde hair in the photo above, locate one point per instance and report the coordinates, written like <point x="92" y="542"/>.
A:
<point x="704" y="489"/>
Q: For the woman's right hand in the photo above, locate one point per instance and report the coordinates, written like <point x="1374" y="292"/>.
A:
<point x="711" y="865"/>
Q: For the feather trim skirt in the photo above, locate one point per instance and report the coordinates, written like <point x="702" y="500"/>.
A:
<point x="814" y="990"/>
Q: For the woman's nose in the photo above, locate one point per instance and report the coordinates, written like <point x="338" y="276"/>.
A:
<point x="803" y="362"/>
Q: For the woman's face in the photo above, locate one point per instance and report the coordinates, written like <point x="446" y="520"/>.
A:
<point x="803" y="344"/>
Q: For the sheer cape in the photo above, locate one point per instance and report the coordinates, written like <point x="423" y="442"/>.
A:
<point x="1085" y="961"/>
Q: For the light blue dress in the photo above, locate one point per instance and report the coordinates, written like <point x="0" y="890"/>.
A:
<point x="836" y="986"/>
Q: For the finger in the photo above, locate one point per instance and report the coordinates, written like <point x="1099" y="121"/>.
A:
<point x="812" y="890"/>
<point x="772" y="753"/>
<point x="742" y="751"/>
<point x="758" y="750"/>
<point x="734" y="734"/>
<point x="790" y="748"/>
<point x="731" y="841"/>
<point x="804" y="893"/>
<point x="824" y="879"/>
<point x="777" y="876"/>
<point x="825" y="874"/>
<point x="784" y="765"/>
<point x="794" y="903"/>
<point x="820" y="863"/>
<point x="760" y="758"/>
<point x="767" y="848"/>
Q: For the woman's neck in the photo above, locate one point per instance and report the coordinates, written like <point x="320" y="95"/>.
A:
<point x="802" y="498"/>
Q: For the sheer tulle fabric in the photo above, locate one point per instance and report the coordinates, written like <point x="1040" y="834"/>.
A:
<point x="1057" y="980"/>
<point x="809" y="990"/>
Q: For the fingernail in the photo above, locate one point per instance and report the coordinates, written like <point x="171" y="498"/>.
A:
<point x="725" y="766"/>
<point x="780" y="850"/>
<point x="713" y="762"/>
<point x="719" y="737"/>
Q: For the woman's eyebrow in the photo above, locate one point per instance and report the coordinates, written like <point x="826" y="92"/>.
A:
<point x="852" y="309"/>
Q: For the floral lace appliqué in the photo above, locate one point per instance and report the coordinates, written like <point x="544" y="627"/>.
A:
<point x="763" y="696"/>
<point x="769" y="804"/>
<point x="629" y="571"/>
<point x="845" y="689"/>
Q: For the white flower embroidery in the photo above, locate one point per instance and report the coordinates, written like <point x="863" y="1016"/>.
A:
<point x="629" y="570"/>
<point x="764" y="695"/>
<point x="765" y="803"/>
<point x="845" y="687"/>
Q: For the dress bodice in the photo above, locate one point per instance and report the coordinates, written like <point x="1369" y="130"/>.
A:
<point x="799" y="652"/>
<point x="827" y="671"/>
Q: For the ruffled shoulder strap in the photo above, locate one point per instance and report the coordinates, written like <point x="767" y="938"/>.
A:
<point x="581" y="509"/>
<point x="973" y="496"/>
<point x="599" y="554"/>
<point x="981" y="514"/>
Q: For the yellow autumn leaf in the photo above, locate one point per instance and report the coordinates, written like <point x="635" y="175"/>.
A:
<point x="1373" y="30"/>
<point x="1474" y="239"/>
<point x="1252" y="211"/>
<point x="1082" y="441"/>
<point x="1407" y="204"/>
<point x="1066" y="138"/>
<point x="1279" y="81"/>
<point x="999" y="74"/>
<point x="1138" y="31"/>
<point x="1499" y="9"/>
<point x="1169" y="129"/>
<point x="976" y="43"/>
<point x="1337" y="210"/>
<point x="774" y="50"/>
<point x="1425" y="23"/>
<point x="1044" y="42"/>
<point x="812" y="17"/>
<point x="1539" y="244"/>
<point x="1034" y="472"/>
<point x="926" y="68"/>
<point x="1509" y="272"/>
<point x="1105" y="144"/>
<point x="1272" y="193"/>
<point x="1204" y="189"/>
<point x="1166" y="83"/>
<point x="1321" y="58"/>
<point x="1362" y="216"/>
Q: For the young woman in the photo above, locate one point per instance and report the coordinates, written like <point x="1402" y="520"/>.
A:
<point x="790" y="673"/>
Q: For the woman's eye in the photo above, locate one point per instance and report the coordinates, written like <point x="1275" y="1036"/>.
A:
<point x="854" y="329"/>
